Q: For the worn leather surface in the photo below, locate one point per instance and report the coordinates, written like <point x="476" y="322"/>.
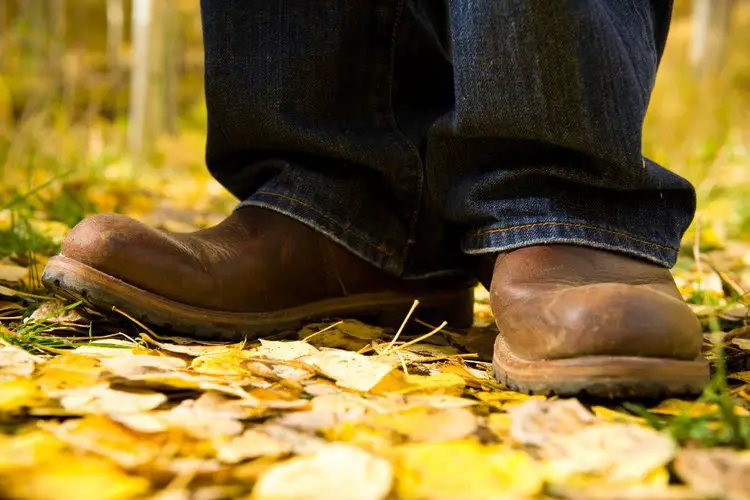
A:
<point x="561" y="301"/>
<point x="254" y="261"/>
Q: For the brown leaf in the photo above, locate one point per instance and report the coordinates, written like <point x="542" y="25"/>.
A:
<point x="251" y="444"/>
<point x="348" y="334"/>
<point x="535" y="422"/>
<point x="15" y="362"/>
<point x="721" y="473"/>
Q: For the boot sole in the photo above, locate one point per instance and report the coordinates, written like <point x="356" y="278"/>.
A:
<point x="78" y="281"/>
<point x="609" y="377"/>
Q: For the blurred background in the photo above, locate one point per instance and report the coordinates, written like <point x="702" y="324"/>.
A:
<point x="101" y="109"/>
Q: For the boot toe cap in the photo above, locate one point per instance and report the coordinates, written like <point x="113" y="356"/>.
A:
<point x="606" y="319"/>
<point x="100" y="240"/>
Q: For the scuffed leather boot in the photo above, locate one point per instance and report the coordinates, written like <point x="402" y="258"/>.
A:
<point x="577" y="321"/>
<point x="256" y="273"/>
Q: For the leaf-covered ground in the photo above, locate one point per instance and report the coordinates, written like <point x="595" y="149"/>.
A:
<point x="94" y="405"/>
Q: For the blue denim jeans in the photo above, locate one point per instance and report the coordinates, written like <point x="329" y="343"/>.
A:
<point x="417" y="133"/>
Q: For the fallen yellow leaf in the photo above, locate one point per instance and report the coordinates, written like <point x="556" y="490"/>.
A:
<point x="69" y="371"/>
<point x="348" y="334"/>
<point x="335" y="472"/>
<point x="251" y="444"/>
<point x="10" y="273"/>
<point x="439" y="383"/>
<point x="72" y="476"/>
<point x="19" y="394"/>
<point x="352" y="370"/>
<point x="466" y="470"/>
<point x="692" y="408"/>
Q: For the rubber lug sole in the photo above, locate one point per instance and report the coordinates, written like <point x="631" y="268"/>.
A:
<point x="78" y="281"/>
<point x="607" y="377"/>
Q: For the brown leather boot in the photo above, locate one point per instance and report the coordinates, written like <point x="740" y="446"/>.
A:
<point x="256" y="273"/>
<point x="576" y="321"/>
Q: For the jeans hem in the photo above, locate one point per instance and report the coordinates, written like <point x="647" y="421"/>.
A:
<point x="357" y="243"/>
<point x="503" y="238"/>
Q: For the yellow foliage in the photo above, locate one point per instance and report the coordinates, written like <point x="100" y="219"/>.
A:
<point x="466" y="470"/>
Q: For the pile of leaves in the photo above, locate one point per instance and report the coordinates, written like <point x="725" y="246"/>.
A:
<point x="338" y="412"/>
<point x="94" y="405"/>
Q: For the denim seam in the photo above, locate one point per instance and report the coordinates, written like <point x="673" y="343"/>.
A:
<point x="414" y="218"/>
<point x="374" y="246"/>
<point x="572" y="224"/>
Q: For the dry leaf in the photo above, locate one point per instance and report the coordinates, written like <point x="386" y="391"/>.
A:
<point x="427" y="424"/>
<point x="348" y="334"/>
<point x="226" y="362"/>
<point x="10" y="273"/>
<point x="103" y="436"/>
<point x="437" y="384"/>
<point x="466" y="470"/>
<point x="352" y="370"/>
<point x="9" y="292"/>
<point x="499" y="424"/>
<point x="19" y="394"/>
<point x="616" y="453"/>
<point x="141" y="364"/>
<point x="503" y="400"/>
<point x="15" y="362"/>
<point x="535" y="421"/>
<point x="284" y="351"/>
<point x="419" y="353"/>
<point x="436" y="401"/>
<point x="104" y="400"/>
<point x="719" y="473"/>
<point x="107" y="348"/>
<point x="676" y="407"/>
<point x="57" y="311"/>
<point x="74" y="477"/>
<point x="299" y="442"/>
<point x="616" y="416"/>
<point x="27" y="449"/>
<point x="327" y="411"/>
<point x="69" y="372"/>
<point x="197" y="420"/>
<point x="251" y="444"/>
<point x="335" y="472"/>
<point x="189" y="348"/>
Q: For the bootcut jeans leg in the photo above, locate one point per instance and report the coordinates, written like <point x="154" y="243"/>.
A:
<point x="399" y="128"/>
<point x="543" y="144"/>
<point x="321" y="110"/>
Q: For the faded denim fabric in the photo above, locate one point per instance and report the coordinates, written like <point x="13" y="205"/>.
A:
<point x="418" y="132"/>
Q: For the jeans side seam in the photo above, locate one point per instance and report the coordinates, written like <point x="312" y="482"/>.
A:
<point x="572" y="224"/>
<point x="414" y="218"/>
<point x="377" y="247"/>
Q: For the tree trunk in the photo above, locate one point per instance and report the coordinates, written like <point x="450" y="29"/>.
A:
<point x="3" y="25"/>
<point x="172" y="64"/>
<point x="58" y="32"/>
<point x="146" y="117"/>
<point x="115" y="33"/>
<point x="32" y="11"/>
<point x="711" y="22"/>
